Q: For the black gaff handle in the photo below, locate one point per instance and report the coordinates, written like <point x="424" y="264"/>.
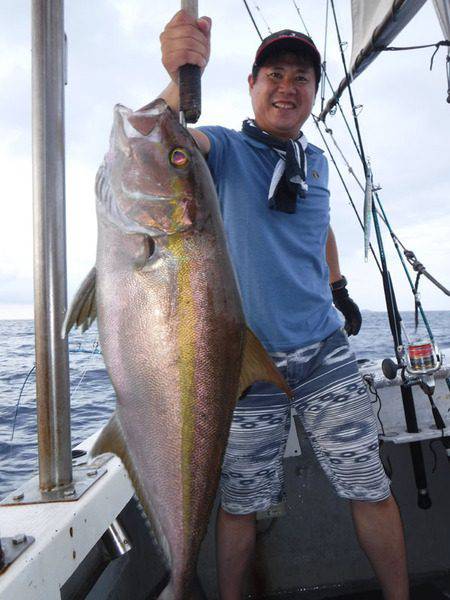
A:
<point x="189" y="82"/>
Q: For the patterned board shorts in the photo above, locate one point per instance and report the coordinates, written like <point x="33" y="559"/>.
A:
<point x="332" y="402"/>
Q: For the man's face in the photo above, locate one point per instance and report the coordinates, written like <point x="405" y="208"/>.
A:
<point x="283" y="94"/>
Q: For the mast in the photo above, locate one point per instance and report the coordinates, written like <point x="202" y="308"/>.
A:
<point x="50" y="288"/>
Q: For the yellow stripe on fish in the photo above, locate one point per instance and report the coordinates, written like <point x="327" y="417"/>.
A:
<point x="186" y="333"/>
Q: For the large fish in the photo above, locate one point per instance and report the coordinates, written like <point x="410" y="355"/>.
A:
<point x="171" y="327"/>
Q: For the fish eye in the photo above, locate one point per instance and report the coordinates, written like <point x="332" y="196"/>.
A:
<point x="179" y="158"/>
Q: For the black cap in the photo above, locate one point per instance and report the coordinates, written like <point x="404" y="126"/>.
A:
<point x="292" y="41"/>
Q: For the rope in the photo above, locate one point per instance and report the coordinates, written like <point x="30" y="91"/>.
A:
<point x="421" y="270"/>
<point x="396" y="48"/>
<point x="437" y="45"/>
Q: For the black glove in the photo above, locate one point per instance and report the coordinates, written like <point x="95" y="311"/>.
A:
<point x="347" y="306"/>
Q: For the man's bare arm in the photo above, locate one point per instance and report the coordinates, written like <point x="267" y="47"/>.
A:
<point x="333" y="257"/>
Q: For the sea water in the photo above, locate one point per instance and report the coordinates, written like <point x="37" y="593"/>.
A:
<point x="92" y="396"/>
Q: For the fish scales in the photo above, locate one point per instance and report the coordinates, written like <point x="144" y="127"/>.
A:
<point x="171" y="328"/>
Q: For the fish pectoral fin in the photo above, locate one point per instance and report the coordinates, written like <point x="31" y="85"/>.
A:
<point x="258" y="366"/>
<point x="83" y="308"/>
<point x="110" y="439"/>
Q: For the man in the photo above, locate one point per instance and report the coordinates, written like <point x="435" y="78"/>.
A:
<point x="273" y="190"/>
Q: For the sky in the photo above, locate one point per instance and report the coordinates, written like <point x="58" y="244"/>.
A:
<point x="114" y="56"/>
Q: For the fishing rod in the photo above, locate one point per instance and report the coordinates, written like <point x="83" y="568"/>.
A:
<point x="418" y="267"/>
<point x="423" y="498"/>
<point x="189" y="79"/>
<point x="316" y="121"/>
<point x="410" y="256"/>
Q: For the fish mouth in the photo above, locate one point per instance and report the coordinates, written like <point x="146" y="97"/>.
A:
<point x="144" y="120"/>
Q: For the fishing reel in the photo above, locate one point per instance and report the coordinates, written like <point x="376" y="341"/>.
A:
<point x="417" y="361"/>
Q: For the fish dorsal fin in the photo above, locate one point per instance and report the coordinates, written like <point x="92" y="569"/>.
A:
<point x="258" y="366"/>
<point x="83" y="309"/>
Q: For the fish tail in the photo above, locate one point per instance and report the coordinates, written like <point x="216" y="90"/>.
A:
<point x="167" y="593"/>
<point x="170" y="593"/>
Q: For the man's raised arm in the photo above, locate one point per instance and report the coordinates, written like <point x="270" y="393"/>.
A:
<point x="185" y="40"/>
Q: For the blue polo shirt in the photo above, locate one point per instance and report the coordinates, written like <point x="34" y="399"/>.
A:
<point x="279" y="258"/>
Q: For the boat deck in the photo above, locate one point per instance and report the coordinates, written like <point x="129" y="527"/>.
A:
<point x="437" y="588"/>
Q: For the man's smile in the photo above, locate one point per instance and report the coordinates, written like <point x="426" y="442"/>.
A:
<point x="283" y="104"/>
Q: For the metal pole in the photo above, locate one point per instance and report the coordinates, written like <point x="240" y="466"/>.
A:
<point x="50" y="292"/>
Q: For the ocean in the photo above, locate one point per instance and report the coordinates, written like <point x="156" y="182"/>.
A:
<point x="92" y="396"/>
